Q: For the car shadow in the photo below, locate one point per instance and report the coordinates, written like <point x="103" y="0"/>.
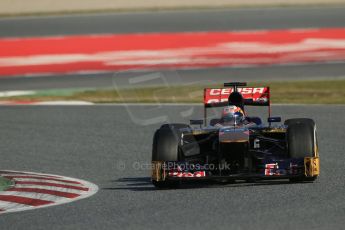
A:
<point x="144" y="184"/>
<point x="132" y="183"/>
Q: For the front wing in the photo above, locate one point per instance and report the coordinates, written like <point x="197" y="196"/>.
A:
<point x="269" y="169"/>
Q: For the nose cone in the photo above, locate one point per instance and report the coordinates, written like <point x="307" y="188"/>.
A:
<point x="230" y="135"/>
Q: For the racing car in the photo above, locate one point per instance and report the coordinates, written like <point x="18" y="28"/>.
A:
<point x="235" y="146"/>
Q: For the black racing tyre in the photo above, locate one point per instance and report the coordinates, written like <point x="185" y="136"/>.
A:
<point x="166" y="145"/>
<point x="300" y="120"/>
<point x="166" y="148"/>
<point x="301" y="138"/>
<point x="190" y="146"/>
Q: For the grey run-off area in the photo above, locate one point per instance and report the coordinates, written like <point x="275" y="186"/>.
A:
<point x="104" y="144"/>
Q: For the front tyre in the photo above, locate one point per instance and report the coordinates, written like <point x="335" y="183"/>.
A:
<point x="166" y="148"/>
<point x="301" y="142"/>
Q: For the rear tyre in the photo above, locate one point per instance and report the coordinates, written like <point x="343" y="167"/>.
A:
<point x="166" y="148"/>
<point x="301" y="141"/>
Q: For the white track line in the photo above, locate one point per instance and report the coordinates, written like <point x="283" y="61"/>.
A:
<point x="8" y="172"/>
<point x="52" y="188"/>
<point x="17" y="177"/>
<point x="48" y="181"/>
<point x="10" y="205"/>
<point x="32" y="175"/>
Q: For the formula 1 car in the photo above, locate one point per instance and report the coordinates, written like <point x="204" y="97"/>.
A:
<point x="209" y="151"/>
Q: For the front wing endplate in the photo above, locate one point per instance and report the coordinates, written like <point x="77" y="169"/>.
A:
<point x="311" y="166"/>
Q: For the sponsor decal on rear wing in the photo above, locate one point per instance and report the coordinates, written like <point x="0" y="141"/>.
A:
<point x="216" y="97"/>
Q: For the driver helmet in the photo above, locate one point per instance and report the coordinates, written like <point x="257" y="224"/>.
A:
<point x="233" y="115"/>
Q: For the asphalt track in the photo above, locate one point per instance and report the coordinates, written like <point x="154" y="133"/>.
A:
<point x="175" y="21"/>
<point x="104" y="144"/>
<point x="170" y="21"/>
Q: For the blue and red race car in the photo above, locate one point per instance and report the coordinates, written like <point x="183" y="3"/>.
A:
<point x="235" y="146"/>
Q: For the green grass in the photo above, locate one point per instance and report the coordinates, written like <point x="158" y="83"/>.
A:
<point x="5" y="183"/>
<point x="309" y="92"/>
<point x="306" y="92"/>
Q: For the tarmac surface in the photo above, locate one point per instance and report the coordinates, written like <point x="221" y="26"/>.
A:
<point x="107" y="145"/>
<point x="175" y="21"/>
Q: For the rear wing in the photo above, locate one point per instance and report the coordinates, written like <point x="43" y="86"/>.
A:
<point x="255" y="96"/>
